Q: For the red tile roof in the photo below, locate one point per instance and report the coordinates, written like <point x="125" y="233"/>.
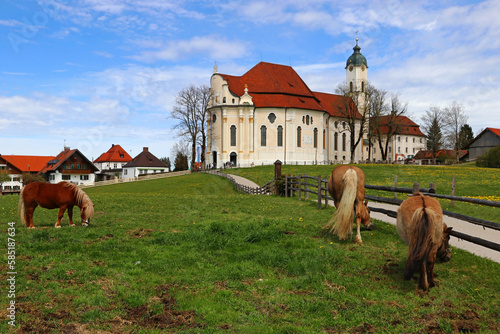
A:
<point x="61" y="158"/>
<point x="427" y="154"/>
<point x="27" y="163"/>
<point x="115" y="154"/>
<point x="405" y="126"/>
<point x="273" y="85"/>
<point x="145" y="159"/>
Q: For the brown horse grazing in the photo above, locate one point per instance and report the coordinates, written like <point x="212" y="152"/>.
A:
<point x="420" y="225"/>
<point x="62" y="195"/>
<point x="346" y="185"/>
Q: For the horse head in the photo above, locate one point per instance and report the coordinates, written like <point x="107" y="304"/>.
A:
<point x="87" y="211"/>
<point x="444" y="251"/>
<point x="365" y="216"/>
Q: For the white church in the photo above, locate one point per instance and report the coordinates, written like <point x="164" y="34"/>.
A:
<point x="269" y="114"/>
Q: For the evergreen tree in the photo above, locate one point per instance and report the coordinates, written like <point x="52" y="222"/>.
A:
<point x="181" y="162"/>
<point x="465" y="136"/>
<point x="432" y="123"/>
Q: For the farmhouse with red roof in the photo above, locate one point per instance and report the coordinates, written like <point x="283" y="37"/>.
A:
<point x="111" y="163"/>
<point x="70" y="165"/>
<point x="16" y="165"/>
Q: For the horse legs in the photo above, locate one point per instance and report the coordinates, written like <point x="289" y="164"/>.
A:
<point x="70" y="215"/>
<point x="29" y="216"/>
<point x="358" y="224"/>
<point x="59" y="217"/>
<point x="424" y="283"/>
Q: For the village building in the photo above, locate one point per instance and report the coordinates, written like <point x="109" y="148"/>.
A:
<point x="426" y="157"/>
<point x="16" y="165"/>
<point x="483" y="142"/>
<point x="406" y="141"/>
<point x="269" y="113"/>
<point x="70" y="165"/>
<point x="143" y="164"/>
<point x="110" y="164"/>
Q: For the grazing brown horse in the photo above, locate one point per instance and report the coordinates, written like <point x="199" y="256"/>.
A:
<point x="346" y="185"/>
<point x="420" y="225"/>
<point x="62" y="195"/>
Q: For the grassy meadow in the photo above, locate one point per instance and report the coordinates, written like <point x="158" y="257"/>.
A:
<point x="189" y="254"/>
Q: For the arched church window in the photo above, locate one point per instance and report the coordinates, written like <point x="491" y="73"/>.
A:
<point x="214" y="118"/>
<point x="336" y="141"/>
<point x="224" y="99"/>
<point x="315" y="137"/>
<point x="336" y="124"/>
<point x="307" y="119"/>
<point x="303" y="119"/>
<point x="271" y="117"/>
<point x="362" y="86"/>
<point x="343" y="125"/>
<point x="350" y="86"/>
<point x="299" y="137"/>
<point x="324" y="139"/>
<point x="233" y="135"/>
<point x="263" y="135"/>
<point x="343" y="142"/>
<point x="280" y="136"/>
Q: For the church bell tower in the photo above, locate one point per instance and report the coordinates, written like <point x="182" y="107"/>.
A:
<point x="357" y="76"/>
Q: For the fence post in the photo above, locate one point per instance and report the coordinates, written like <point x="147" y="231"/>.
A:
<point x="286" y="185"/>
<point x="432" y="188"/>
<point x="395" y="185"/>
<point x="319" y="192"/>
<point x="326" y="191"/>
<point x="300" y="186"/>
<point x="452" y="202"/>
<point x="416" y="188"/>
<point x="306" y="193"/>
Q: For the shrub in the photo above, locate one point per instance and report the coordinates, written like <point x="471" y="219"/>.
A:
<point x="490" y="159"/>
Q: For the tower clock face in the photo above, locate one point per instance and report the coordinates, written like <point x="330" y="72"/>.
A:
<point x="351" y="68"/>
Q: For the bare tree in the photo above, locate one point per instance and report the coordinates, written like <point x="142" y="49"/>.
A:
<point x="377" y="107"/>
<point x="190" y="112"/>
<point x="454" y="118"/>
<point x="181" y="147"/>
<point x="385" y="117"/>
<point x="432" y="123"/>
<point x="204" y="96"/>
<point x="349" y="111"/>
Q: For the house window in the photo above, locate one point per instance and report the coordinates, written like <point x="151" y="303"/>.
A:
<point x="406" y="139"/>
<point x="343" y="141"/>
<point x="66" y="177"/>
<point x="263" y="135"/>
<point x="414" y="140"/>
<point x="315" y="137"/>
<point x="84" y="177"/>
<point x="125" y="171"/>
<point x="280" y="136"/>
<point x="399" y="149"/>
<point x="115" y="166"/>
<point x="299" y="137"/>
<point x="233" y="135"/>
<point x="407" y="150"/>
<point x="336" y="141"/>
<point x="52" y="177"/>
<point x="78" y="166"/>
<point x="399" y="139"/>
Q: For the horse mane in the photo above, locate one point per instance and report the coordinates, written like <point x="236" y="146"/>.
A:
<point x="81" y="198"/>
<point x="423" y="224"/>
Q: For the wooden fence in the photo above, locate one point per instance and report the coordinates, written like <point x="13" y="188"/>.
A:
<point x="133" y="179"/>
<point x="266" y="189"/>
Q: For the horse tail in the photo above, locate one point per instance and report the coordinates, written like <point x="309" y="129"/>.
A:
<point x="423" y="224"/>
<point x="342" y="218"/>
<point x="21" y="208"/>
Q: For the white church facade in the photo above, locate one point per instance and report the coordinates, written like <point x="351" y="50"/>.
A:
<point x="269" y="114"/>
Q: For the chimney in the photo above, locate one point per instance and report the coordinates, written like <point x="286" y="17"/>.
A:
<point x="112" y="145"/>
<point x="145" y="149"/>
<point x="66" y="148"/>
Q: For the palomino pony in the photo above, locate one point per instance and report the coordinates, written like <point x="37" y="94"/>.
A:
<point x="420" y="225"/>
<point x="347" y="187"/>
<point x="62" y="195"/>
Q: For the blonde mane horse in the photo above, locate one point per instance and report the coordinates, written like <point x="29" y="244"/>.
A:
<point x="346" y="185"/>
<point x="420" y="225"/>
<point x="62" y="195"/>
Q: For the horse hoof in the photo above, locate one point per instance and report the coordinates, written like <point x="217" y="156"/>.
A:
<point x="72" y="225"/>
<point x="85" y="225"/>
<point x="31" y="227"/>
<point x="58" y="226"/>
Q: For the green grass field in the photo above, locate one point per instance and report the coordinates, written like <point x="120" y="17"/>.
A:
<point x="189" y="254"/>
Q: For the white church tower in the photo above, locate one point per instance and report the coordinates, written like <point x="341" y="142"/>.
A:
<point x="357" y="76"/>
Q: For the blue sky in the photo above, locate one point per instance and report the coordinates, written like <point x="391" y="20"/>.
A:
<point x="91" y="73"/>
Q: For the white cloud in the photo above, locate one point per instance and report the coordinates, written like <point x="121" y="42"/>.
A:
<point x="213" y="47"/>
